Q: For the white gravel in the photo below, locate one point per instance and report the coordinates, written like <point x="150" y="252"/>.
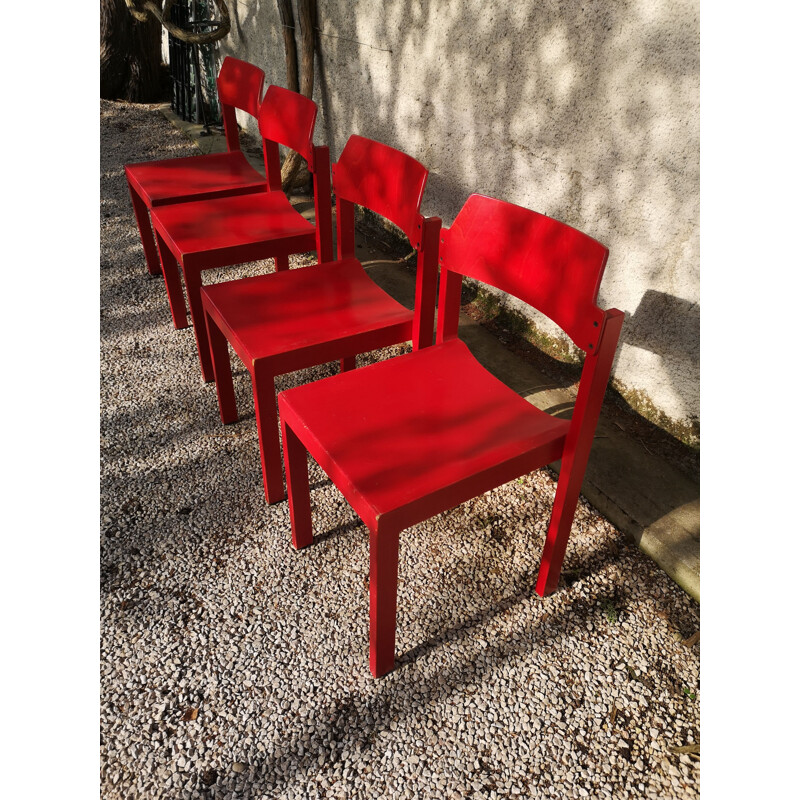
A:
<point x="235" y="667"/>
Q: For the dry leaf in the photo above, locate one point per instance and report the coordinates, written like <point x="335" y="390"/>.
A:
<point x="209" y="777"/>
<point x="692" y="640"/>
<point x="189" y="714"/>
<point x="688" y="749"/>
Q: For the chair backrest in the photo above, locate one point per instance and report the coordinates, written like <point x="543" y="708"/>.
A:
<point x="390" y="183"/>
<point x="239" y="85"/>
<point x="552" y="267"/>
<point x="288" y="118"/>
<point x="382" y="179"/>
<point x="547" y="264"/>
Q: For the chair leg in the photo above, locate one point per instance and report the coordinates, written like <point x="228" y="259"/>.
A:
<point x="172" y="282"/>
<point x="221" y="363"/>
<point x="555" y="546"/>
<point x="145" y="232"/>
<point x="346" y="364"/>
<point x="281" y="263"/>
<point x="268" y="439"/>
<point x="594" y="379"/>
<point x="295" y="458"/>
<point x="193" y="281"/>
<point x="384" y="544"/>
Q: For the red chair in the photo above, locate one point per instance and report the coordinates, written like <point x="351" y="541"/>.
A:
<point x="287" y="321"/>
<point x="408" y="438"/>
<point x="173" y="180"/>
<point x="208" y="234"/>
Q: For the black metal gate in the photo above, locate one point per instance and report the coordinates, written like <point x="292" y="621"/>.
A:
<point x="193" y="67"/>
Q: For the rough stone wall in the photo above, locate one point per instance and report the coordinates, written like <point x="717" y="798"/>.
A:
<point x="585" y="110"/>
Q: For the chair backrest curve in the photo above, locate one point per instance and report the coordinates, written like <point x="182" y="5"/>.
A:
<point x="384" y="180"/>
<point x="288" y="118"/>
<point x="239" y="85"/>
<point x="546" y="263"/>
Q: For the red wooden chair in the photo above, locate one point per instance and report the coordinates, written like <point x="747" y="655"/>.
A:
<point x="287" y="321"/>
<point x="173" y="180"/>
<point x="208" y="234"/>
<point x="410" y="437"/>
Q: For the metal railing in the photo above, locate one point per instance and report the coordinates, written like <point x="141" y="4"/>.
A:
<point x="193" y="67"/>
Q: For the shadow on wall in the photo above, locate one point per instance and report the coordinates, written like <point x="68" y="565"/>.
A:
<point x="669" y="327"/>
<point x="681" y="318"/>
<point x="585" y="111"/>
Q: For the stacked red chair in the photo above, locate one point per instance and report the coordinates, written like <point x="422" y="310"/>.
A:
<point x="408" y="438"/>
<point x="178" y="180"/>
<point x="222" y="232"/>
<point x="285" y="321"/>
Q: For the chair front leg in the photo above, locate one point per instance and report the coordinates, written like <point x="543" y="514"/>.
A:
<point x="145" y="232"/>
<point x="384" y="545"/>
<point x="268" y="435"/>
<point x="221" y="363"/>
<point x="192" y="277"/>
<point x="281" y="263"/>
<point x="346" y="364"/>
<point x="172" y="282"/>
<point x="295" y="458"/>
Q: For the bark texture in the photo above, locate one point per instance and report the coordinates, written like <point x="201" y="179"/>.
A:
<point x="130" y="56"/>
<point x="307" y="13"/>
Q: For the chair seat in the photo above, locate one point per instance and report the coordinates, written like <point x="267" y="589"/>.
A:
<point x="170" y="180"/>
<point x="230" y="229"/>
<point x="412" y="436"/>
<point x="306" y="316"/>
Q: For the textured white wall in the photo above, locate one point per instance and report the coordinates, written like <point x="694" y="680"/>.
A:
<point x="587" y="111"/>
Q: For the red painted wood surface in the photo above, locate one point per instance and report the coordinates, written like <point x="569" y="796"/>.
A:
<point x="383" y="179"/>
<point x="156" y="183"/>
<point x="305" y="317"/>
<point x="288" y="118"/>
<point x="428" y="431"/>
<point x="225" y="231"/>
<point x="408" y="438"/>
<point x="239" y="85"/>
<point x="550" y="266"/>
<point x="286" y="321"/>
<point x="204" y="177"/>
<point x="232" y="230"/>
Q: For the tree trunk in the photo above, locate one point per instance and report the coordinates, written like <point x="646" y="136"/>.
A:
<point x="289" y="45"/>
<point x="307" y="12"/>
<point x="130" y="56"/>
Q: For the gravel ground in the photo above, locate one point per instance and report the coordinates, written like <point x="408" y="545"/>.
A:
<point x="235" y="667"/>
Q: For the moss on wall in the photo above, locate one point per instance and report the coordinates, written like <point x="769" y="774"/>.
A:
<point x="489" y="309"/>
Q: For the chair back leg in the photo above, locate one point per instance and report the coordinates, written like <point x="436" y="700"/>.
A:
<point x="145" y="232"/>
<point x="594" y="379"/>
<point x="193" y="281"/>
<point x="296" y="460"/>
<point x="221" y="365"/>
<point x="268" y="436"/>
<point x="172" y="282"/>
<point x="384" y="546"/>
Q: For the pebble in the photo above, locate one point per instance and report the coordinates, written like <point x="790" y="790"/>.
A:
<point x="497" y="692"/>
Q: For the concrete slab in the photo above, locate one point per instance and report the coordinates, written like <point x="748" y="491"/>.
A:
<point x="642" y="494"/>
